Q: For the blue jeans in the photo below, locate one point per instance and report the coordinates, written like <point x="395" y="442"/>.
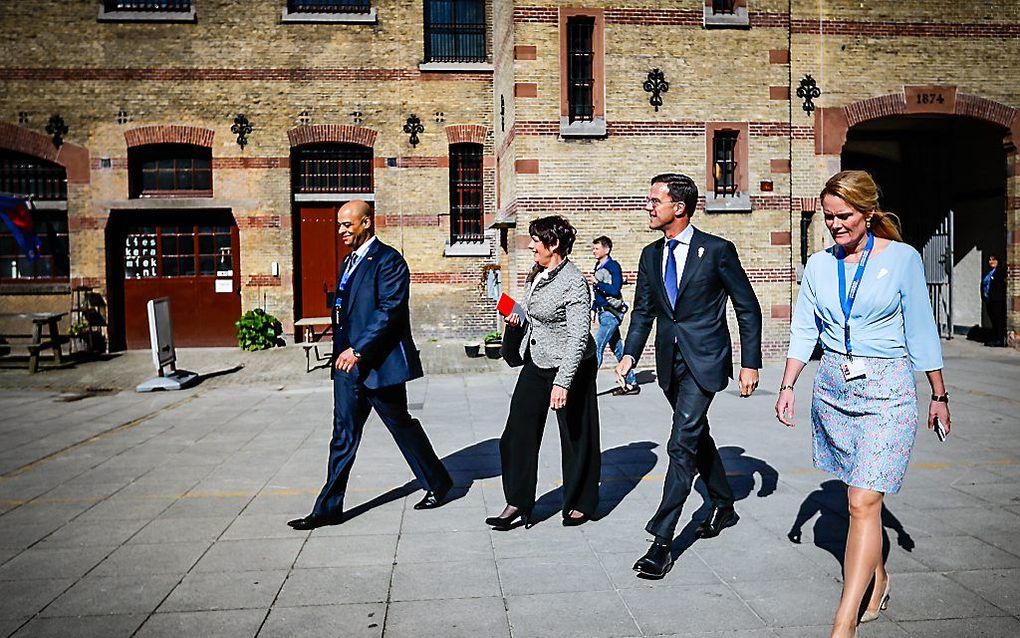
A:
<point x="609" y="332"/>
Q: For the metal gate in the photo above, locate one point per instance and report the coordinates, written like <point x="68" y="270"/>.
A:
<point x="937" y="255"/>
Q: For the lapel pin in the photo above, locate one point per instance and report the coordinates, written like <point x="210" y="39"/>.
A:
<point x="701" y="251"/>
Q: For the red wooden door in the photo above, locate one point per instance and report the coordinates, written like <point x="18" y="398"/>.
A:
<point x="321" y="252"/>
<point x="196" y="265"/>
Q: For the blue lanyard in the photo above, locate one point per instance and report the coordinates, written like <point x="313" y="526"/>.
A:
<point x="847" y="297"/>
<point x="348" y="271"/>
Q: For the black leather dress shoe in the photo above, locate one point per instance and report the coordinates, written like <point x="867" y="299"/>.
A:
<point x="316" y="520"/>
<point x="432" y="500"/>
<point x="718" y="519"/>
<point x="656" y="562"/>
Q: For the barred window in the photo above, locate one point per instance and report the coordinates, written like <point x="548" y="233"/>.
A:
<point x="723" y="6"/>
<point x="26" y="175"/>
<point x="147" y="5"/>
<point x="333" y="168"/>
<point x="170" y="170"/>
<point x="580" y="68"/>
<point x="51" y="264"/>
<point x="466" y="193"/>
<point x="454" y="31"/>
<point x="724" y="145"/>
<point x="329" y="6"/>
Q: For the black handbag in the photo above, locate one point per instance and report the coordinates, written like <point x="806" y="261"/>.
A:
<point x="510" y="349"/>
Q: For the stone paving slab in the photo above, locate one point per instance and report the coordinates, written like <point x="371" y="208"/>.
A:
<point x="164" y="515"/>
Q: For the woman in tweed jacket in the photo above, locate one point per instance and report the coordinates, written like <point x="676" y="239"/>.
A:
<point x="558" y="373"/>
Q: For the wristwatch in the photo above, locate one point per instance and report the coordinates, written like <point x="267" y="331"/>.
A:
<point x="357" y="355"/>
<point x="941" y="398"/>
<point x="786" y="386"/>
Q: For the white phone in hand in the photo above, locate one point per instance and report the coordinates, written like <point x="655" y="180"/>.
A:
<point x="940" y="431"/>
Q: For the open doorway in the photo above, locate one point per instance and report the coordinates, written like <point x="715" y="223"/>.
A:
<point x="945" y="176"/>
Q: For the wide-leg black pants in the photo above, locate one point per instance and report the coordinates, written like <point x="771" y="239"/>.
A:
<point x="579" y="438"/>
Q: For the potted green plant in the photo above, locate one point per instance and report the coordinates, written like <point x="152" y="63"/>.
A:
<point x="493" y="342"/>
<point x="79" y="333"/>
<point x="257" y="330"/>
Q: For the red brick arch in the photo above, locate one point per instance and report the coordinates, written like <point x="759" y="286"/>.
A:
<point x="343" y="133"/>
<point x="169" y="134"/>
<point x="74" y="158"/>
<point x="832" y="124"/>
<point x="460" y="133"/>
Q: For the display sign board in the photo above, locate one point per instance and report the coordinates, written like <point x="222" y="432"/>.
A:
<point x="161" y="335"/>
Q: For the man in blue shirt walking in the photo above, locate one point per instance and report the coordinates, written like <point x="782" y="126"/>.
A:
<point x="608" y="307"/>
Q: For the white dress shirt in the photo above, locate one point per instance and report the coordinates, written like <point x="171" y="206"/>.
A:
<point x="680" y="253"/>
<point x="360" y="253"/>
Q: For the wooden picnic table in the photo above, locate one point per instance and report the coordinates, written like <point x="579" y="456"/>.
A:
<point x="311" y="339"/>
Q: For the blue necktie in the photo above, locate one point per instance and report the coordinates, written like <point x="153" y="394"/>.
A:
<point x="348" y="270"/>
<point x="669" y="279"/>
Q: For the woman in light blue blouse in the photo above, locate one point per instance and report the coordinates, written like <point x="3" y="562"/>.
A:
<point x="864" y="402"/>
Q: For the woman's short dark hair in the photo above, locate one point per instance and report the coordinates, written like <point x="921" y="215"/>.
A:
<point x="681" y="189"/>
<point x="554" y="229"/>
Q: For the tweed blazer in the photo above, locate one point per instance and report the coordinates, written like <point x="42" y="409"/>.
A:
<point x="558" y="309"/>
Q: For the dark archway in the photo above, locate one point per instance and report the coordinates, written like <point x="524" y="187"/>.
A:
<point x="927" y="165"/>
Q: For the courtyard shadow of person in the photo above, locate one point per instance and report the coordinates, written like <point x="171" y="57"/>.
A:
<point x="740" y="471"/>
<point x="623" y="468"/>
<point x="467" y="465"/>
<point x="829" y="503"/>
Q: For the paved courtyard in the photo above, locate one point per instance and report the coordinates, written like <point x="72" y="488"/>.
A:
<point x="164" y="515"/>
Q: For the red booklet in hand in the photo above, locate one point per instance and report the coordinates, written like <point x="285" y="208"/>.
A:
<point x="507" y="306"/>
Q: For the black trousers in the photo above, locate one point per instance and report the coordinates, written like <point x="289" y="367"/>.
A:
<point x="691" y="449"/>
<point x="996" y="309"/>
<point x="352" y="402"/>
<point x="579" y="438"/>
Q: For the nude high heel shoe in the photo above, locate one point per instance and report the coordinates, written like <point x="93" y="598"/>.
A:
<point x="883" y="604"/>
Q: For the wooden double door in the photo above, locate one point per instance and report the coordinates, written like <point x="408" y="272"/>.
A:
<point x="319" y="256"/>
<point x="191" y="258"/>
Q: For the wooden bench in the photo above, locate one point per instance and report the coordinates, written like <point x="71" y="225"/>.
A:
<point x="312" y="339"/>
<point x="36" y="342"/>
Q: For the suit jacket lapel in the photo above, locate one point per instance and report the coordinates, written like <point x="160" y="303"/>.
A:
<point x="692" y="263"/>
<point x="660" y="285"/>
<point x="364" y="265"/>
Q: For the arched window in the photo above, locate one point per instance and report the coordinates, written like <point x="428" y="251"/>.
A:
<point x="332" y="168"/>
<point x="170" y="170"/>
<point x="466" y="193"/>
<point x="44" y="182"/>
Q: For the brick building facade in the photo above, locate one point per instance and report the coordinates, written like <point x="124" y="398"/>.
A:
<point x="527" y="108"/>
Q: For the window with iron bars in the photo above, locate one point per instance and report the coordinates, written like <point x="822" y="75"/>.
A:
<point x="580" y="68"/>
<point x="147" y="5"/>
<point x="333" y="168"/>
<point x="22" y="174"/>
<point x="724" y="149"/>
<point x="329" y="6"/>
<point x="170" y="170"/>
<point x="466" y="193"/>
<point x="454" y="31"/>
<point x="724" y="6"/>
<point x="52" y="262"/>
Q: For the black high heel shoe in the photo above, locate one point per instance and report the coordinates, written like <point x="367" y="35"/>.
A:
<point x="504" y="523"/>
<point x="574" y="521"/>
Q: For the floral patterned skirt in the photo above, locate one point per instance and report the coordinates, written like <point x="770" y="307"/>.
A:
<point x="864" y="429"/>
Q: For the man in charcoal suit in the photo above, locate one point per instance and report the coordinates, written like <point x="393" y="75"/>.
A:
<point x="684" y="280"/>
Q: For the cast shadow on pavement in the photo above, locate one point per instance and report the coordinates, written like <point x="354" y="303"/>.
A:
<point x="829" y="503"/>
<point x="467" y="465"/>
<point x="623" y="468"/>
<point x="740" y="470"/>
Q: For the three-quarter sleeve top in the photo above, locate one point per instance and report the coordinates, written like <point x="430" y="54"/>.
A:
<point x="891" y="316"/>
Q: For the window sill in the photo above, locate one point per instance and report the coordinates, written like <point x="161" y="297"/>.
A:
<point x="333" y="197"/>
<point x="32" y="287"/>
<point x="593" y="128"/>
<point x="455" y="67"/>
<point x="728" y="204"/>
<point x="737" y="20"/>
<point x="173" y="194"/>
<point x="188" y="17"/>
<point x="308" y="17"/>
<point x="467" y="249"/>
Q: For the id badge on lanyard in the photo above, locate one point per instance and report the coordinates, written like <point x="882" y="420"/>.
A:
<point x="853" y="368"/>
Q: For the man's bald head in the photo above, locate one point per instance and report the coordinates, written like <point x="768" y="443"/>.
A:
<point x="356" y="223"/>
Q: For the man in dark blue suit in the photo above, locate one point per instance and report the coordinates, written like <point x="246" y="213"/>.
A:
<point x="374" y="358"/>
<point x="684" y="281"/>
